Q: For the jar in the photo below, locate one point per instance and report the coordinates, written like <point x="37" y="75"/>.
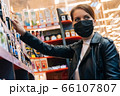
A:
<point x="53" y="37"/>
<point x="47" y="38"/>
<point x="72" y="32"/>
<point x="67" y="33"/>
<point x="59" y="36"/>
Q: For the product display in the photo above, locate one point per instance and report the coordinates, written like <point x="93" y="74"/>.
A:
<point x="52" y="24"/>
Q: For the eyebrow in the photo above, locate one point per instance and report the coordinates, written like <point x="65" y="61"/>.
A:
<point x="84" y="15"/>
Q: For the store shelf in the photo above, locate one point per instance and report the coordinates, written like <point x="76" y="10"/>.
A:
<point x="60" y="40"/>
<point x="29" y="28"/>
<point x="49" y="57"/>
<point x="66" y="22"/>
<point x="26" y="55"/>
<point x="54" y="70"/>
<point x="7" y="56"/>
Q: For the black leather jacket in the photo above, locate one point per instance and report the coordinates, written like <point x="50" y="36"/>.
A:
<point x="101" y="60"/>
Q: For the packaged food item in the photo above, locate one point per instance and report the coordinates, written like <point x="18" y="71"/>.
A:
<point x="72" y="32"/>
<point x="53" y="37"/>
<point x="47" y="38"/>
<point x="44" y="63"/>
<point x="26" y="17"/>
<point x="48" y="17"/>
<point x="67" y="33"/>
<point x="54" y="16"/>
<point x="33" y="17"/>
<point x="3" y="39"/>
<point x="38" y="65"/>
<point x="59" y="36"/>
<point x="41" y="19"/>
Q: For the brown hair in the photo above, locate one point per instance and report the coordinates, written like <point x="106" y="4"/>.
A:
<point x="84" y="7"/>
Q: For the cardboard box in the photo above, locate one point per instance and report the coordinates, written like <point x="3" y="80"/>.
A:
<point x="44" y="63"/>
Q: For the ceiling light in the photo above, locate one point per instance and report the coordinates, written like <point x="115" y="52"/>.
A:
<point x="57" y="1"/>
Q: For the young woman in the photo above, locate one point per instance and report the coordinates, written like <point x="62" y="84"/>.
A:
<point x="94" y="57"/>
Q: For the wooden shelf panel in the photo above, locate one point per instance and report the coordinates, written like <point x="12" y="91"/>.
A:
<point x="7" y="56"/>
<point x="54" y="70"/>
<point x="30" y="28"/>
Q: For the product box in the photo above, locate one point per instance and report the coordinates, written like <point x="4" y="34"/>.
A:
<point x="37" y="63"/>
<point x="3" y="39"/>
<point x="44" y="64"/>
<point x="40" y="76"/>
<point x="26" y="18"/>
<point x="54" y="16"/>
<point x="19" y="17"/>
<point x="34" y="65"/>
<point x="48" y="17"/>
<point x="33" y="17"/>
<point x="42" y="19"/>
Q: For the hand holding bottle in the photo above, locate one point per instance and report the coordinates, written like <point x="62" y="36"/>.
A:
<point x="18" y="27"/>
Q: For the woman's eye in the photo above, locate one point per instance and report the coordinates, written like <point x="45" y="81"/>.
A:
<point x="77" y="19"/>
<point x="86" y="17"/>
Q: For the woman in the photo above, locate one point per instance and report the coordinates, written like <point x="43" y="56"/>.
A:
<point x="94" y="57"/>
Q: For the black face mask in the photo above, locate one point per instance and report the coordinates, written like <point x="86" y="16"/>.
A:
<point x="84" y="28"/>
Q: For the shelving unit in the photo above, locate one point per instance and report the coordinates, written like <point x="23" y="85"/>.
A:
<point x="11" y="68"/>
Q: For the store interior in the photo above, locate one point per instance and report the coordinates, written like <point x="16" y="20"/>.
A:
<point x="42" y="18"/>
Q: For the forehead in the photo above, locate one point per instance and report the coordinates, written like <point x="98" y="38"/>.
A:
<point x="79" y="13"/>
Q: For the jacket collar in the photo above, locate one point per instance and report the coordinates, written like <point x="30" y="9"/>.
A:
<point x="95" y="39"/>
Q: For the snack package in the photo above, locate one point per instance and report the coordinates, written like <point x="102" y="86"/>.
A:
<point x="33" y="17"/>
<point x="26" y="18"/>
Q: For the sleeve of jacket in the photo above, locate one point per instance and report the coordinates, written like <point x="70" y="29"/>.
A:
<point x="111" y="58"/>
<point x="51" y="50"/>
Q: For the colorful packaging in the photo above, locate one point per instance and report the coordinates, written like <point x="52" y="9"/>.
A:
<point x="48" y="17"/>
<point x="44" y="64"/>
<point x="54" y="16"/>
<point x="41" y="19"/>
<point x="26" y="18"/>
<point x="3" y="39"/>
<point x="33" y="18"/>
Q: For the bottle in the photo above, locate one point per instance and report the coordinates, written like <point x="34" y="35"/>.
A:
<point x="42" y="37"/>
<point x="38" y="35"/>
<point x="33" y="33"/>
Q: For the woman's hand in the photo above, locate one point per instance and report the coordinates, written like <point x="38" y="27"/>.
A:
<point x="18" y="27"/>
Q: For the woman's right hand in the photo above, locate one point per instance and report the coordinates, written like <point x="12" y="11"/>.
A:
<point x="18" y="27"/>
